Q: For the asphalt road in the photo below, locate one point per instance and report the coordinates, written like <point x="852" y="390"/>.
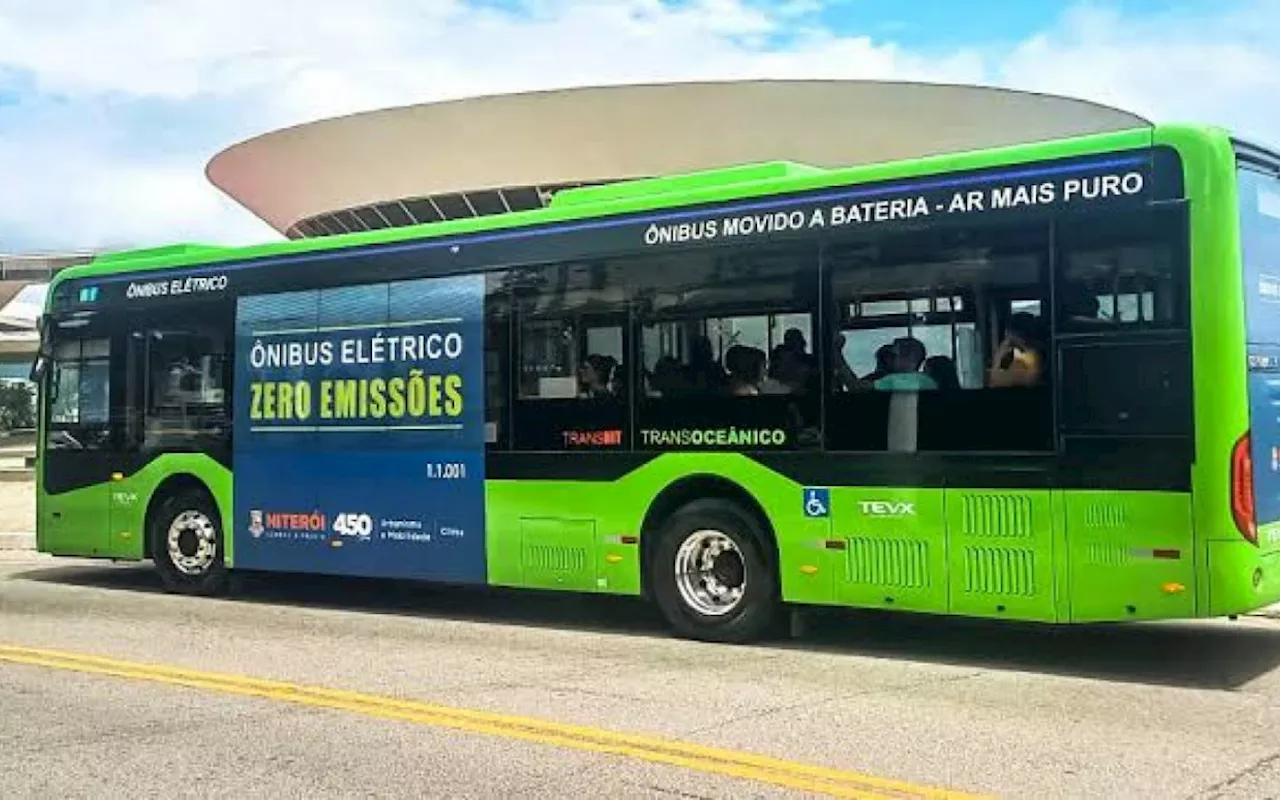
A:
<point x="1169" y="710"/>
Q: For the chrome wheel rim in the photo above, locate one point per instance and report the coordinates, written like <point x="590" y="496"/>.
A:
<point x="710" y="573"/>
<point x="192" y="542"/>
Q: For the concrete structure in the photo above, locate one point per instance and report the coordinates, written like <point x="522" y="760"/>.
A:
<point x="23" y="282"/>
<point x="489" y="155"/>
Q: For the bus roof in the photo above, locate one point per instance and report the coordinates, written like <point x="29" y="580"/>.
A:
<point x="718" y="185"/>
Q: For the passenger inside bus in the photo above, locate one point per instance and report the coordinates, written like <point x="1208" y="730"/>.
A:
<point x="885" y="358"/>
<point x="1019" y="360"/>
<point x="1080" y="306"/>
<point x="845" y="380"/>
<point x="943" y="371"/>
<point x="908" y="356"/>
<point x="596" y="376"/>
<point x="789" y="372"/>
<point x="704" y="373"/>
<point x="746" y="367"/>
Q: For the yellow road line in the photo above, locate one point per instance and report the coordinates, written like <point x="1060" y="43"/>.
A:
<point x="729" y="763"/>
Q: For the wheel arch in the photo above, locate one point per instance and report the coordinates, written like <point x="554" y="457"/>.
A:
<point x="176" y="484"/>
<point x="686" y="490"/>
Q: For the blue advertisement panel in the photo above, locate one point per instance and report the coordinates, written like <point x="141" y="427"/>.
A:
<point x="1264" y="423"/>
<point x="1260" y="246"/>
<point x="359" y="420"/>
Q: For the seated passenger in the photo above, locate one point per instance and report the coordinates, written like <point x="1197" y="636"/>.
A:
<point x="943" y="371"/>
<point x="595" y="375"/>
<point x="703" y="373"/>
<point x="789" y="372"/>
<point x="774" y="381"/>
<point x="844" y="379"/>
<point x="1080" y="307"/>
<point x="884" y="364"/>
<point x="908" y="357"/>
<point x="667" y="379"/>
<point x="745" y="366"/>
<point x="1019" y="361"/>
<point x="794" y="340"/>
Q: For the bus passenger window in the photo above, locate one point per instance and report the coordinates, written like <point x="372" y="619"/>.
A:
<point x="939" y="342"/>
<point x="727" y="359"/>
<point x="571" y="329"/>
<point x="1121" y="272"/>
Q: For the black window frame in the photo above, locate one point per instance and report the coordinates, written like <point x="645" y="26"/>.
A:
<point x="577" y="424"/>
<point x="821" y="316"/>
<point x="106" y="432"/>
<point x="1035" y="227"/>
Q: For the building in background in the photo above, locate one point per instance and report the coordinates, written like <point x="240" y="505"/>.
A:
<point x="24" y="280"/>
<point x="498" y="154"/>
<point x="492" y="155"/>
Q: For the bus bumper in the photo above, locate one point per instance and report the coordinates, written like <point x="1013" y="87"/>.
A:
<point x="1241" y="578"/>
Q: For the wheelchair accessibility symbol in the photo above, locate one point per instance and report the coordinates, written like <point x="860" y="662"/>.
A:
<point x="817" y="502"/>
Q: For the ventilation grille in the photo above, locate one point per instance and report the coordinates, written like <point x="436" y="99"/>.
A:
<point x="1106" y="516"/>
<point x="1107" y="555"/>
<point x="1001" y="571"/>
<point x="997" y="516"/>
<point x="548" y="558"/>
<point x="901" y="563"/>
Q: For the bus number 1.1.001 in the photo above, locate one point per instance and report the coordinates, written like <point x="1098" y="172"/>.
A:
<point x="446" y="471"/>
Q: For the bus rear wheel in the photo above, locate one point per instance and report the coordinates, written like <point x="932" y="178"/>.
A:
<point x="712" y="575"/>
<point x="186" y="544"/>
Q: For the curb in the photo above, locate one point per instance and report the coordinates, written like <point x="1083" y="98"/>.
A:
<point x="17" y="541"/>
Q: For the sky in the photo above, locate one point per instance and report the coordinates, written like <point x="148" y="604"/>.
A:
<point x="110" y="109"/>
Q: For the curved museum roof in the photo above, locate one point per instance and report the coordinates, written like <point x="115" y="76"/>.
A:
<point x="487" y="155"/>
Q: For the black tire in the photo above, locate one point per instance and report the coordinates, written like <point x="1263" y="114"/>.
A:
<point x="756" y="613"/>
<point x="208" y="576"/>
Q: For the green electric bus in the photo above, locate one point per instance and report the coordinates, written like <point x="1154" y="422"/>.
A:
<point x="1038" y="383"/>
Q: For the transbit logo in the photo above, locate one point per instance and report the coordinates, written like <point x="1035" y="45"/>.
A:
<point x="887" y="508"/>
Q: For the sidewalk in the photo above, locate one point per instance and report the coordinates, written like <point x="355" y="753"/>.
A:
<point x="17" y="512"/>
<point x="17" y="541"/>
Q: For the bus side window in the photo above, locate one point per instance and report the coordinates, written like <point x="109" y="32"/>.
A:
<point x="572" y="328"/>
<point x="728" y="355"/>
<point x="1123" y="343"/>
<point x="1120" y="272"/>
<point x="940" y="342"/>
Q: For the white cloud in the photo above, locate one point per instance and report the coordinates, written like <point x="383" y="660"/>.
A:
<point x="1173" y="67"/>
<point x="130" y="98"/>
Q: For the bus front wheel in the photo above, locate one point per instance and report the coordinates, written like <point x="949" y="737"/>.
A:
<point x="712" y="575"/>
<point x="186" y="544"/>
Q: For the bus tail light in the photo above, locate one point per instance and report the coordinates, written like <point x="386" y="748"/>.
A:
<point x="1242" y="510"/>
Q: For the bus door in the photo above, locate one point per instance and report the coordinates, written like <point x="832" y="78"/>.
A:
<point x="81" y="448"/>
